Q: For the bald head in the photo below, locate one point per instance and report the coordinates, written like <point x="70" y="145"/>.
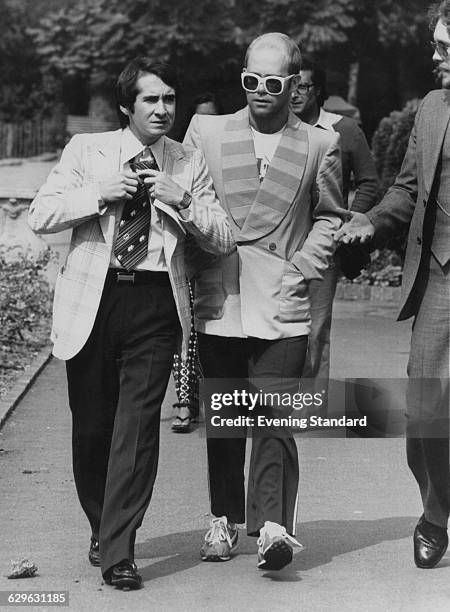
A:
<point x="282" y="44"/>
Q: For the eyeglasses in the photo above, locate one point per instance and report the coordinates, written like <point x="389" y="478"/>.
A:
<point x="441" y="48"/>
<point x="273" y="85"/>
<point x="304" y="87"/>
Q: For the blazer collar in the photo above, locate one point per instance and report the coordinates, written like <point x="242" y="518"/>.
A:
<point x="257" y="208"/>
<point x="110" y="146"/>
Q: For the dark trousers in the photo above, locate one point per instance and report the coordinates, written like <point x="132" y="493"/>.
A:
<point x="274" y="473"/>
<point x="428" y="391"/>
<point x="116" y="387"/>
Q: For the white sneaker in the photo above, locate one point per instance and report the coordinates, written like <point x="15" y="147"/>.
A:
<point x="275" y="547"/>
<point x="220" y="541"/>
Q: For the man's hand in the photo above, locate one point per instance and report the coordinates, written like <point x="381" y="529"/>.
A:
<point x="162" y="187"/>
<point x="357" y="229"/>
<point x="118" y="187"/>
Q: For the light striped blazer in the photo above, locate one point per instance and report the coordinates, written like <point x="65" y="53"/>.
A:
<point x="283" y="226"/>
<point x="70" y="199"/>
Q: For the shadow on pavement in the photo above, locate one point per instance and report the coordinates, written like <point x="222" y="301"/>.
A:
<point x="323" y="540"/>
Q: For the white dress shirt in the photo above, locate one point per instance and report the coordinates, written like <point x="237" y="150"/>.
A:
<point x="132" y="149"/>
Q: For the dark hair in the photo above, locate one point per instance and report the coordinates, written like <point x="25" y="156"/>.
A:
<point x="282" y="42"/>
<point x="126" y="86"/>
<point x="204" y="98"/>
<point x="439" y="11"/>
<point x="318" y="77"/>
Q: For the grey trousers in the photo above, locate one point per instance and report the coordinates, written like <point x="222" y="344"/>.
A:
<point x="428" y="392"/>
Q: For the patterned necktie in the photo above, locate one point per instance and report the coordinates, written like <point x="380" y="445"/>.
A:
<point x="131" y="245"/>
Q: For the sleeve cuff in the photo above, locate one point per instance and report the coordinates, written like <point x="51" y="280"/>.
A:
<point x="102" y="205"/>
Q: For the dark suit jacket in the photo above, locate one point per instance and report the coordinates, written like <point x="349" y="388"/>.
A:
<point x="406" y="202"/>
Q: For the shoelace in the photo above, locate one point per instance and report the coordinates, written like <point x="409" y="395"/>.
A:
<point x="218" y="531"/>
<point x="281" y="532"/>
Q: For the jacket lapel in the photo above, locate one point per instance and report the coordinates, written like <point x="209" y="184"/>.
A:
<point x="239" y="170"/>
<point x="281" y="183"/>
<point x="173" y="166"/>
<point x="435" y="125"/>
<point x="109" y="150"/>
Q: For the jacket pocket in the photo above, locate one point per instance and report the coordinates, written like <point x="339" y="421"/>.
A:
<point x="294" y="305"/>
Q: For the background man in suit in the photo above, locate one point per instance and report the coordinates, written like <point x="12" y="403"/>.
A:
<point x="420" y="199"/>
<point x="279" y="181"/>
<point x="357" y="165"/>
<point x="121" y="296"/>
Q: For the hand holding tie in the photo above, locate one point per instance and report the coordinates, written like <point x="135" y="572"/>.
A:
<point x="118" y="187"/>
<point x="162" y="187"/>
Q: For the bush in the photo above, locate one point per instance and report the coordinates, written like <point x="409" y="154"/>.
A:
<point x="389" y="144"/>
<point x="390" y="141"/>
<point x="25" y="313"/>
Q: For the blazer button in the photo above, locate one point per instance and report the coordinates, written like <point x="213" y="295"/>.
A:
<point x="272" y="246"/>
<point x="419" y="240"/>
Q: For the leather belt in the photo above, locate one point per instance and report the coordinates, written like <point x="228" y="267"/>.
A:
<point x="137" y="277"/>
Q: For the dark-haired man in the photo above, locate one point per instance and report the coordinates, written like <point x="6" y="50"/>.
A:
<point x="121" y="298"/>
<point x="357" y="164"/>
<point x="279" y="181"/>
<point x="420" y="200"/>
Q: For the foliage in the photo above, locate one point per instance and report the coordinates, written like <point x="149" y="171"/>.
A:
<point x="390" y="142"/>
<point x="72" y="50"/>
<point x="321" y="24"/>
<point x="20" y="78"/>
<point x="95" y="39"/>
<point x="389" y="145"/>
<point x="25" y="312"/>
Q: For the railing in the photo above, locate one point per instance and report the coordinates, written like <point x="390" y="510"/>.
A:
<point x="27" y="138"/>
<point x="34" y="137"/>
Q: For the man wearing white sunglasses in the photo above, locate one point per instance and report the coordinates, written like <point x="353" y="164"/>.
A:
<point x="279" y="181"/>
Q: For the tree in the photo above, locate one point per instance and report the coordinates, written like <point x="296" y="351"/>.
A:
<point x="94" y="39"/>
<point x="18" y="65"/>
<point x="353" y="27"/>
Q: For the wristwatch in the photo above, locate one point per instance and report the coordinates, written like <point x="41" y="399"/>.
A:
<point x="185" y="201"/>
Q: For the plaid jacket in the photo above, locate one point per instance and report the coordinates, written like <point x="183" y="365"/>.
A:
<point x="70" y="199"/>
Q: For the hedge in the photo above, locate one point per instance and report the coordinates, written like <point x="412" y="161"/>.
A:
<point x="25" y="313"/>
<point x="389" y="144"/>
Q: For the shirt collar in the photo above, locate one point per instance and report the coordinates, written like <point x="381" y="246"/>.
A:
<point x="327" y="120"/>
<point x="132" y="146"/>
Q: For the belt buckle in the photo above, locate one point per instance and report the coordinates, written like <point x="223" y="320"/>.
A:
<point x="125" y="277"/>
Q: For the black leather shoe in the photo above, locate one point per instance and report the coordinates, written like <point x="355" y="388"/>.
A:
<point x="94" y="552"/>
<point x="124" y="576"/>
<point x="430" y="544"/>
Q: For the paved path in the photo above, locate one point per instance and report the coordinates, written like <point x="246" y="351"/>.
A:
<point x="358" y="507"/>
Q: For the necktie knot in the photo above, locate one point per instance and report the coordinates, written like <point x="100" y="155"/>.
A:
<point x="143" y="161"/>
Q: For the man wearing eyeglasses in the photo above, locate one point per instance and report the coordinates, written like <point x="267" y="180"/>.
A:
<point x="279" y="181"/>
<point x="358" y="165"/>
<point x="420" y="200"/>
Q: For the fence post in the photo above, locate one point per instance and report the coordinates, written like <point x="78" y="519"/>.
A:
<point x="9" y="139"/>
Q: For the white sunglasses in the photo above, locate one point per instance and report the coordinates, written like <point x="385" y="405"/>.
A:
<point x="273" y="85"/>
